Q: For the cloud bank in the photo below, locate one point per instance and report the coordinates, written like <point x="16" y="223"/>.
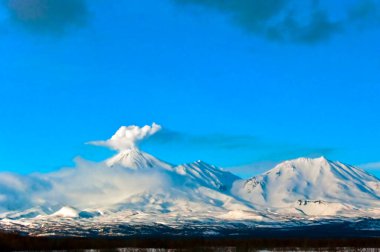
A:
<point x="128" y="137"/>
<point x="47" y="16"/>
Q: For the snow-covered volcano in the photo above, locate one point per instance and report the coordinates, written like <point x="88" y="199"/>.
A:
<point x="136" y="187"/>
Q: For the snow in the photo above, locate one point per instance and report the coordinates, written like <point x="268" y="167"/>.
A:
<point x="241" y="215"/>
<point x="66" y="212"/>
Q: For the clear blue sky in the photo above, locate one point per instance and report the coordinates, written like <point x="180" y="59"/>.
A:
<point x="235" y="83"/>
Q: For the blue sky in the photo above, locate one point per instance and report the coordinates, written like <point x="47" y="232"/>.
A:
<point x="235" y="83"/>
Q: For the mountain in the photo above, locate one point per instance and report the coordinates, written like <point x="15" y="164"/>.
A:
<point x="136" y="188"/>
<point x="312" y="187"/>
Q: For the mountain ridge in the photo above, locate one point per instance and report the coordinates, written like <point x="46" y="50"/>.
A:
<point x="136" y="187"/>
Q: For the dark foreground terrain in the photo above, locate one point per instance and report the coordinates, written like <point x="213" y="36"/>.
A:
<point x="11" y="242"/>
<point x="328" y="236"/>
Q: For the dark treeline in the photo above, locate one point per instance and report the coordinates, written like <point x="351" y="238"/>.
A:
<point x="12" y="241"/>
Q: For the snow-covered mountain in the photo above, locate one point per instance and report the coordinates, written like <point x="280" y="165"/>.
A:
<point x="135" y="187"/>
<point x="199" y="173"/>
<point x="312" y="187"/>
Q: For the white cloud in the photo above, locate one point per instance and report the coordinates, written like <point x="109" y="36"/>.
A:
<point x="87" y="185"/>
<point x="127" y="137"/>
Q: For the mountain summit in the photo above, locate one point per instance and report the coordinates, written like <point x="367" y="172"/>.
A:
<point x="135" y="159"/>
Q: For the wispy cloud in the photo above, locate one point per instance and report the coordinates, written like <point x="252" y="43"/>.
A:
<point x="218" y="141"/>
<point x="288" y="20"/>
<point x="370" y="166"/>
<point x="289" y="151"/>
<point x="365" y="12"/>
<point x="52" y="17"/>
<point x="249" y="170"/>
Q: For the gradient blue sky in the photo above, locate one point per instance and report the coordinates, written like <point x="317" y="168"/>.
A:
<point x="230" y="85"/>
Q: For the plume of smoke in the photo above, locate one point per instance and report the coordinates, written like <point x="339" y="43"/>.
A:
<point x="127" y="137"/>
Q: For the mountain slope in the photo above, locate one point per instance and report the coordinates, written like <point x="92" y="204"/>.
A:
<point x="207" y="175"/>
